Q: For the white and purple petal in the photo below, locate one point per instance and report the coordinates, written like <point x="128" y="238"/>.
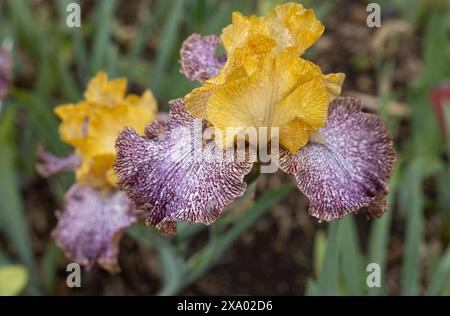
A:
<point x="174" y="176"/>
<point x="91" y="225"/>
<point x="346" y="165"/>
<point x="49" y="164"/>
<point x="198" y="57"/>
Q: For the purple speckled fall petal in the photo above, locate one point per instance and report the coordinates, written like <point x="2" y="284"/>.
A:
<point x="49" y="164"/>
<point x="91" y="225"/>
<point x="171" y="179"/>
<point x="346" y="165"/>
<point x="5" y="73"/>
<point x="198" y="57"/>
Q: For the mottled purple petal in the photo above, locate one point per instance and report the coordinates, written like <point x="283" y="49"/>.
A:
<point x="5" y="73"/>
<point x="198" y="57"/>
<point x="49" y="164"/>
<point x="171" y="179"/>
<point x="346" y="165"/>
<point x="90" y="228"/>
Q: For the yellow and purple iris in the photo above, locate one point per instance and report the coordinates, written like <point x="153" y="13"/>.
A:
<point x="95" y="212"/>
<point x="341" y="157"/>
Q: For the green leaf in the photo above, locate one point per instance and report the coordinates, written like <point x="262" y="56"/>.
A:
<point x="52" y="256"/>
<point x="169" y="38"/>
<point x="220" y="16"/>
<point x="411" y="204"/>
<point x="320" y="245"/>
<point x="434" y="51"/>
<point x="11" y="208"/>
<point x="25" y="26"/>
<point x="172" y="268"/>
<point x="379" y="231"/>
<point x="104" y="17"/>
<point x="311" y="288"/>
<point x="186" y="231"/>
<point x="351" y="258"/>
<point x="171" y="265"/>
<point x="13" y="279"/>
<point x="42" y="119"/>
<point x="327" y="283"/>
<point x="146" y="25"/>
<point x="442" y="275"/>
<point x="4" y="260"/>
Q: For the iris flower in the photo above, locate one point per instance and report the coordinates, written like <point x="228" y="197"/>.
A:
<point x="340" y="157"/>
<point x="95" y="212"/>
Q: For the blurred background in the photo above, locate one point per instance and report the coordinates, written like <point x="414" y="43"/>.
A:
<point x="266" y="244"/>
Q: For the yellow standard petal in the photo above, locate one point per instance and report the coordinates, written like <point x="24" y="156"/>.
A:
<point x="91" y="126"/>
<point x="334" y="82"/>
<point x="195" y="102"/>
<point x="294" y="27"/>
<point x="96" y="170"/>
<point x="74" y="121"/>
<point x="106" y="122"/>
<point x="285" y="92"/>
<point x="287" y="27"/>
<point x="102" y="91"/>
<point x="249" y="32"/>
<point x="146" y="100"/>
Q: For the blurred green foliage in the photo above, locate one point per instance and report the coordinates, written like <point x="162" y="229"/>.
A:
<point x="52" y="64"/>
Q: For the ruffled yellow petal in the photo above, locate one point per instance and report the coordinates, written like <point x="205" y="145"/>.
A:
<point x="334" y="83"/>
<point x="310" y="112"/>
<point x="95" y="170"/>
<point x="235" y="34"/>
<point x="106" y="122"/>
<point x="295" y="134"/>
<point x="249" y="32"/>
<point x="74" y="121"/>
<point x="102" y="91"/>
<point x="287" y="27"/>
<point x="92" y="126"/>
<point x="195" y="101"/>
<point x="147" y="100"/>
<point x="284" y="88"/>
<point x="294" y="27"/>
